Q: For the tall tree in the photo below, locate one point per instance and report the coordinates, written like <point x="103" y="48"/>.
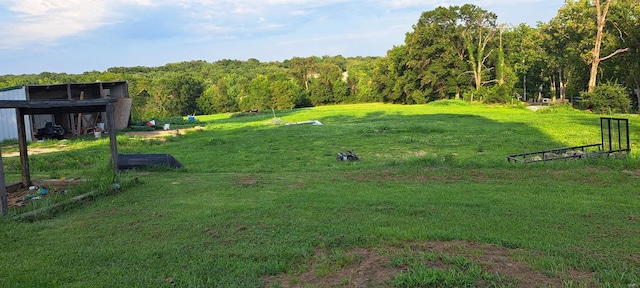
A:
<point x="183" y="89"/>
<point x="302" y="69"/>
<point x="259" y="94"/>
<point x="327" y="86"/>
<point x="437" y="55"/>
<point x="601" y="16"/>
<point x="480" y="29"/>
<point x="567" y="42"/>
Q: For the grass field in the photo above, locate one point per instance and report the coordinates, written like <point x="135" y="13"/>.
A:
<point x="432" y="202"/>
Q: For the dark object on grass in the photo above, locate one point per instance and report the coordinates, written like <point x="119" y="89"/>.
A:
<point x="349" y="156"/>
<point x="50" y="131"/>
<point x="129" y="161"/>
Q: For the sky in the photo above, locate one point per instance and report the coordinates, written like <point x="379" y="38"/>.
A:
<point x="75" y="36"/>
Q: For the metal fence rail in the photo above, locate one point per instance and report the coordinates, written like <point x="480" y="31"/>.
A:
<point x="614" y="140"/>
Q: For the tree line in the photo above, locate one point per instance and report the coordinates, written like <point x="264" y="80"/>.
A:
<point x="587" y="54"/>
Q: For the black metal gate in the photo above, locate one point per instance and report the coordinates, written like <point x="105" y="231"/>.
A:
<point x="614" y="140"/>
<point x="615" y="135"/>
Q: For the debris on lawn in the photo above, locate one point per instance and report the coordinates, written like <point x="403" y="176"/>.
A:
<point x="129" y="161"/>
<point x="43" y="188"/>
<point x="312" y="122"/>
<point x="349" y="156"/>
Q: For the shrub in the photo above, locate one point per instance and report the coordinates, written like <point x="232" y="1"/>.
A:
<point x="490" y="95"/>
<point x="606" y="98"/>
<point x="496" y="94"/>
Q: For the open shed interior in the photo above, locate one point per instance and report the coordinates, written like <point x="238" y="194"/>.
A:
<point x="77" y="123"/>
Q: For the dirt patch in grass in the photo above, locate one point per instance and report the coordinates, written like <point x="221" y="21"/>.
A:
<point x="161" y="133"/>
<point x="245" y="181"/>
<point x="22" y="196"/>
<point x="372" y="267"/>
<point x="34" y="151"/>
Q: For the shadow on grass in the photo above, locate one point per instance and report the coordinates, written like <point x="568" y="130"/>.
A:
<point x="380" y="139"/>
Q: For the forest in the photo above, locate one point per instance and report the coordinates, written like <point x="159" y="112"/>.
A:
<point x="586" y="56"/>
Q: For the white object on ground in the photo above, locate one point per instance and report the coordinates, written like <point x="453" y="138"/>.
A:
<point x="312" y="122"/>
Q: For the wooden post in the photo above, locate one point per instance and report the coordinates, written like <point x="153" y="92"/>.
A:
<point x="72" y="120"/>
<point x="111" y="127"/>
<point x="80" y="116"/>
<point x="4" y="205"/>
<point x="22" y="142"/>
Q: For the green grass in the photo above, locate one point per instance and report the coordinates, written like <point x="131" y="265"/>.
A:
<point x="256" y="199"/>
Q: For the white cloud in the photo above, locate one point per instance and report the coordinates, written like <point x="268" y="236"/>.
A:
<point x="46" y="21"/>
<point x="396" y="4"/>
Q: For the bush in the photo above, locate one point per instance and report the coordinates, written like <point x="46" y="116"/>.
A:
<point x="496" y="94"/>
<point x="489" y="95"/>
<point x="606" y="98"/>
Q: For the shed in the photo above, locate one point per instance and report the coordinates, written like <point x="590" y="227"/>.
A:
<point x="23" y="108"/>
<point x="74" y="123"/>
<point x="8" y="121"/>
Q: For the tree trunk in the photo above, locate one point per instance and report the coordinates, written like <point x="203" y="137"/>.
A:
<point x="601" y="15"/>
<point x="562" y="85"/>
<point x="638" y="94"/>
<point x="552" y="85"/>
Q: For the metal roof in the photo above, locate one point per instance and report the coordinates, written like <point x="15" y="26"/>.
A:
<point x="11" y="88"/>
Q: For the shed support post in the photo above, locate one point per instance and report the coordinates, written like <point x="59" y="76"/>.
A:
<point x="113" y="141"/>
<point x="22" y="142"/>
<point x="4" y="205"/>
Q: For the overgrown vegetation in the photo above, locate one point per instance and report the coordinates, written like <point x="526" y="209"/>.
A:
<point x="257" y="198"/>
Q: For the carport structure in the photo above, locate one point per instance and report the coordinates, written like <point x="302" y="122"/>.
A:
<point x="35" y="107"/>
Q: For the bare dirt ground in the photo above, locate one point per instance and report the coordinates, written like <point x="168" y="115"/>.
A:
<point x="154" y="134"/>
<point x="19" y="198"/>
<point x="371" y="269"/>
<point x="162" y="133"/>
<point x="141" y="134"/>
<point x="33" y="151"/>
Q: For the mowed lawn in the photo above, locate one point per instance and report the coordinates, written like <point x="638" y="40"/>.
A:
<point x="260" y="202"/>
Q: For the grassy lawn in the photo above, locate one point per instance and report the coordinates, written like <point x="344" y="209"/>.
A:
<point x="263" y="203"/>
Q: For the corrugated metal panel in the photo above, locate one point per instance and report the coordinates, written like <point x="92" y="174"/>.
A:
<point x="39" y="121"/>
<point x="8" y="123"/>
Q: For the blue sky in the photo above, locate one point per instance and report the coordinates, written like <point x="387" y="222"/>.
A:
<point x="75" y="36"/>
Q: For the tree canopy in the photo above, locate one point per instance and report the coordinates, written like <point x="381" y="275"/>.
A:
<point x="455" y="52"/>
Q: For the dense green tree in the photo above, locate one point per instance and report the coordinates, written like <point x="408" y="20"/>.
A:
<point x="216" y="99"/>
<point x="578" y="38"/>
<point x="183" y="90"/>
<point x="565" y="42"/>
<point x="360" y="80"/>
<point x="302" y="70"/>
<point x="327" y="85"/>
<point x="259" y="94"/>
<point x="284" y="94"/>
<point x="208" y="101"/>
<point x="529" y="62"/>
<point x="237" y="87"/>
<point x="392" y="76"/>
<point x="624" y="68"/>
<point x="437" y="54"/>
